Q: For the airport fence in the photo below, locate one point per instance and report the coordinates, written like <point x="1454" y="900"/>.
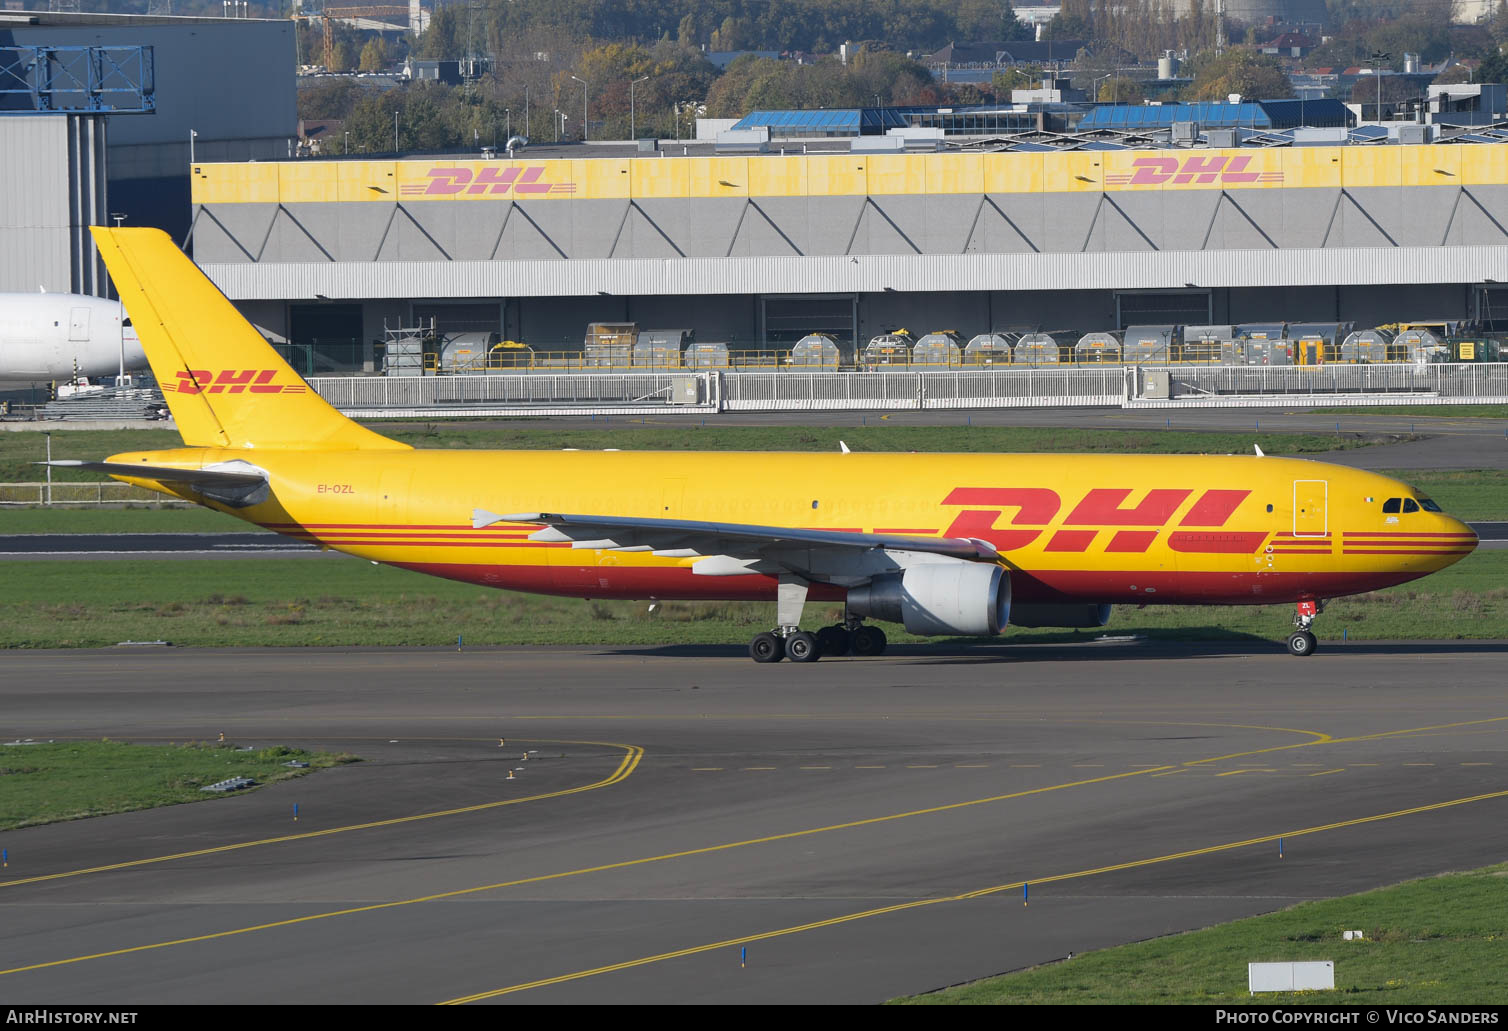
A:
<point x="1414" y="383"/>
<point x="1020" y="388"/>
<point x="105" y="492"/>
<point x="715" y="390"/>
<point x="541" y="389"/>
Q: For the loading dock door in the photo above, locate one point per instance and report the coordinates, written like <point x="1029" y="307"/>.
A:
<point x="1310" y="508"/>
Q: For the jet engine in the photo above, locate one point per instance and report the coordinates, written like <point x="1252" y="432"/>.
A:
<point x="1061" y="614"/>
<point x="967" y="598"/>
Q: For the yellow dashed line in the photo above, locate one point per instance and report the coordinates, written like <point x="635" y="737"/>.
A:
<point x="759" y="767"/>
<point x="920" y="766"/>
<point x="1325" y="773"/>
<point x="1476" y="764"/>
<point x="1169" y="773"/>
<point x="985" y="766"/>
<point x="1246" y="769"/>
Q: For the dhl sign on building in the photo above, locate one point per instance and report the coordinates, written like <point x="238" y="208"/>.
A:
<point x="839" y="175"/>
<point x="745" y="248"/>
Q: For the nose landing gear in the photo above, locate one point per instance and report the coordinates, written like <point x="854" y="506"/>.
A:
<point x="1301" y="641"/>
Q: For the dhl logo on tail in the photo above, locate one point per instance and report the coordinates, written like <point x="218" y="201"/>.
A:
<point x="231" y="381"/>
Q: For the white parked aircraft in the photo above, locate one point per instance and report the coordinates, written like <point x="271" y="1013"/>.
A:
<point x="47" y="338"/>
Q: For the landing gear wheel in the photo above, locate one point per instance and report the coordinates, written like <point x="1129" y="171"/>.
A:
<point x="834" y="640"/>
<point x="868" y="640"/>
<point x="766" y="648"/>
<point x="1301" y="642"/>
<point x="802" y="647"/>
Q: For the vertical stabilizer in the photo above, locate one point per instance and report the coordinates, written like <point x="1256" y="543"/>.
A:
<point x="224" y="383"/>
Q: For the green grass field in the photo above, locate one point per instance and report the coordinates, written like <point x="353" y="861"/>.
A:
<point x="18" y="451"/>
<point x="328" y="601"/>
<point x="1423" y="411"/>
<point x="47" y="782"/>
<point x="1442" y="940"/>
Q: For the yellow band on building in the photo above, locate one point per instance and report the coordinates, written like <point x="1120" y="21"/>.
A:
<point x="830" y="175"/>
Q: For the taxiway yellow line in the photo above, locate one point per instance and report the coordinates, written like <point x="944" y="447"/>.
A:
<point x="623" y="864"/>
<point x="633" y="753"/>
<point x="981" y="893"/>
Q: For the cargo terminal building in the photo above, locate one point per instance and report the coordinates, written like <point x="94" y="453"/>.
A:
<point x="757" y="249"/>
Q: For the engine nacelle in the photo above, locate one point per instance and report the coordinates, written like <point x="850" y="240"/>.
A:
<point x="967" y="598"/>
<point x="1061" y="614"/>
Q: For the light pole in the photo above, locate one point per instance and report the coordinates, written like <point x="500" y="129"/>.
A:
<point x="507" y="123"/>
<point x="346" y="148"/>
<point x="555" y="119"/>
<point x="193" y="135"/>
<point x="526" y="113"/>
<point x="1377" y="58"/>
<point x="583" y="108"/>
<point x="633" y="133"/>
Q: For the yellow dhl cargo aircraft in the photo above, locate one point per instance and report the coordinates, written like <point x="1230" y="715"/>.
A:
<point x="944" y="544"/>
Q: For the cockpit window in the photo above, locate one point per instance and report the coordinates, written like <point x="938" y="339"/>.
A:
<point x="1428" y="505"/>
<point x="1410" y="505"/>
<point x="1392" y="504"/>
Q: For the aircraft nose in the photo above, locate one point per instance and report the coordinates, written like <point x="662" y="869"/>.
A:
<point x="1460" y="527"/>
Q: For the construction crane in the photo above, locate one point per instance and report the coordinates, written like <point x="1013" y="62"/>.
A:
<point x="331" y="14"/>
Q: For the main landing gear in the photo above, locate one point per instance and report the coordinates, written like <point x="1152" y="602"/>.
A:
<point x="1301" y="641"/>
<point x="789" y="641"/>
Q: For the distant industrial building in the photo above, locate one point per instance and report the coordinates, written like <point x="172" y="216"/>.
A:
<point x="756" y="250"/>
<point x="207" y="90"/>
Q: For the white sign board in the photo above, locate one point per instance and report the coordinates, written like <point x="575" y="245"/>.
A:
<point x="1290" y="977"/>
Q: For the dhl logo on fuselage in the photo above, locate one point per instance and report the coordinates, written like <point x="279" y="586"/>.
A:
<point x="1195" y="169"/>
<point x="1131" y="528"/>
<point x="231" y="381"/>
<point x="523" y="181"/>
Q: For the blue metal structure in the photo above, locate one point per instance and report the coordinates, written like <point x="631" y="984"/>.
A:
<point x="46" y="80"/>
<point x="865" y="121"/>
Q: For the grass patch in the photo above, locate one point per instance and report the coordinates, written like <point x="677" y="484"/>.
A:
<point x="1424" y="411"/>
<point x="49" y="782"/>
<point x="335" y="601"/>
<point x="18" y="451"/>
<point x="153" y="519"/>
<point x="1441" y="940"/>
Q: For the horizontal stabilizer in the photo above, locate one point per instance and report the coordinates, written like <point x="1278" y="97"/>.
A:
<point x="167" y="473"/>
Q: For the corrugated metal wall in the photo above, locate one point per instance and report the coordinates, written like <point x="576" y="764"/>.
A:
<point x="55" y="188"/>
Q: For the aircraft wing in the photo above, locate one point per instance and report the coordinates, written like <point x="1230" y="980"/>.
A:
<point x="731" y="549"/>
<point x="167" y="473"/>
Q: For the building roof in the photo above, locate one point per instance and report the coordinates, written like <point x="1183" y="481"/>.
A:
<point x="991" y="52"/>
<point x="837" y="122"/>
<point x="1145" y="116"/>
